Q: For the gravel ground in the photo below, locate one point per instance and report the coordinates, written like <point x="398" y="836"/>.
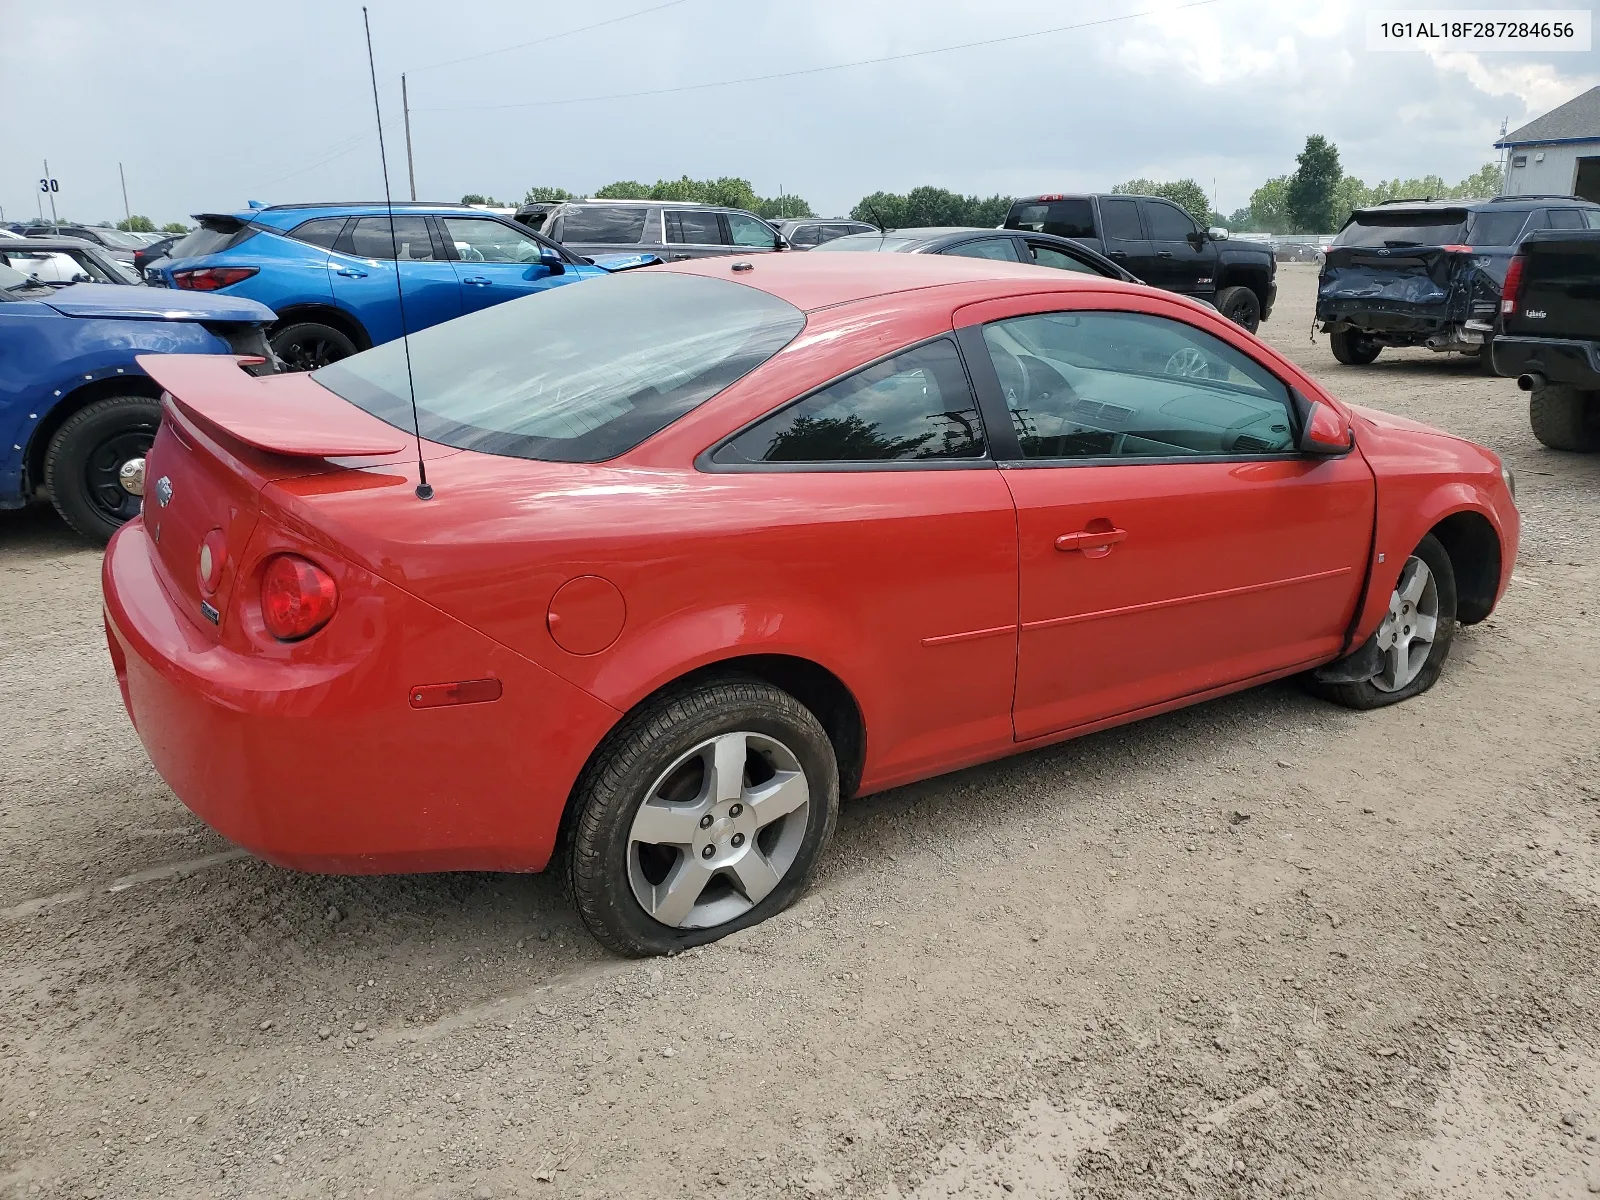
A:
<point x="1260" y="948"/>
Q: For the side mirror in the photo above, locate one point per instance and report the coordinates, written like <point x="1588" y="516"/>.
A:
<point x="549" y="258"/>
<point x="779" y="242"/>
<point x="1217" y="233"/>
<point x="1323" y="432"/>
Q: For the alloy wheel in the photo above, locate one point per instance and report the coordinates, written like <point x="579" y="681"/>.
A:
<point x="1406" y="636"/>
<point x="1187" y="363"/>
<point x="718" y="830"/>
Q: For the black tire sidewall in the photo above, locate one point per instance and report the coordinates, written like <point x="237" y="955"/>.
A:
<point x="1352" y="348"/>
<point x="299" y="329"/>
<point x="1231" y="297"/>
<point x="68" y="455"/>
<point x="633" y="758"/>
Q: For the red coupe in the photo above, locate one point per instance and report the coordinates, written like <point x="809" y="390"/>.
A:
<point x="713" y="544"/>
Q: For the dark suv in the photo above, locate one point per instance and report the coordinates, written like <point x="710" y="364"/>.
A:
<point x="806" y="233"/>
<point x="1429" y="272"/>
<point x="1162" y="245"/>
<point x="668" y="229"/>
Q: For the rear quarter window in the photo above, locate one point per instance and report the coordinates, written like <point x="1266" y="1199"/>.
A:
<point x="1496" y="229"/>
<point x="210" y="241"/>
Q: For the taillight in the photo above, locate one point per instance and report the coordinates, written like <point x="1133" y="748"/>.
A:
<point x="297" y="597"/>
<point x="1512" y="285"/>
<point x="1457" y="249"/>
<point x="209" y="279"/>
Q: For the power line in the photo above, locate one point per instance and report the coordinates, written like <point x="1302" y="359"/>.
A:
<point x="864" y="62"/>
<point x="549" y="38"/>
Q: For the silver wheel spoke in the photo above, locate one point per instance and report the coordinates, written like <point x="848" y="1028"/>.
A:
<point x="661" y="824"/>
<point x="727" y="767"/>
<point x="1423" y="627"/>
<point x="757" y="877"/>
<point x="676" y="894"/>
<point x="1413" y="581"/>
<point x="778" y="797"/>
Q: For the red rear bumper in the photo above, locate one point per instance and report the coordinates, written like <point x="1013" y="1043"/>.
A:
<point x="326" y="766"/>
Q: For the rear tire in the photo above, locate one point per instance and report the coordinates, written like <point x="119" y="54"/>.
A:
<point x="1241" y="306"/>
<point x="1565" y="418"/>
<point x="741" y="846"/>
<point x="83" y="463"/>
<point x="1353" y="348"/>
<point x="307" y="345"/>
<point x="1400" y="679"/>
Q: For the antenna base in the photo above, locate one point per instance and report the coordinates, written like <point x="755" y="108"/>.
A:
<point x="424" y="491"/>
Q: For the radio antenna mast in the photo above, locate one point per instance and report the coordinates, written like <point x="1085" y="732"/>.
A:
<point x="424" y="488"/>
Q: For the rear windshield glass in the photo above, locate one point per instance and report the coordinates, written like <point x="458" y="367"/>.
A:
<point x="208" y="241"/>
<point x="604" y="223"/>
<point x="122" y="241"/>
<point x="1496" y="228"/>
<point x="578" y="374"/>
<point x="1064" y="218"/>
<point x="867" y="241"/>
<point x="1443" y="228"/>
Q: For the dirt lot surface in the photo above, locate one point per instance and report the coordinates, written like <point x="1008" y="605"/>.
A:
<point x="1260" y="948"/>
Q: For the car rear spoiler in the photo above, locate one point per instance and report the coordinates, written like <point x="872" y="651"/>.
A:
<point x="220" y="222"/>
<point x="292" y="415"/>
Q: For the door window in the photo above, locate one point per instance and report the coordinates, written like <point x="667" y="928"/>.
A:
<point x="805" y="236"/>
<point x="325" y="231"/>
<point x="693" y="227"/>
<point x="1168" y="222"/>
<point x="1052" y="256"/>
<point x="1496" y="229"/>
<point x="1121" y="219"/>
<point x="1566" y="218"/>
<point x="369" y="238"/>
<point x="1002" y="248"/>
<point x="623" y="224"/>
<point x="1592" y="216"/>
<point x="750" y="231"/>
<point x="916" y="406"/>
<point x="490" y="241"/>
<point x="839" y="231"/>
<point x="1134" y="386"/>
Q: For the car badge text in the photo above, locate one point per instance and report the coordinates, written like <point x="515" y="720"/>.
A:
<point x="163" y="491"/>
<point x="1534" y="314"/>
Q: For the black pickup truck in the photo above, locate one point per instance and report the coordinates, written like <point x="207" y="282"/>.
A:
<point x="1161" y="244"/>
<point x="1548" y="335"/>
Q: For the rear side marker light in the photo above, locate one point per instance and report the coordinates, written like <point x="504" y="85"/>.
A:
<point x="297" y="597"/>
<point x="209" y="279"/>
<point x="471" y="691"/>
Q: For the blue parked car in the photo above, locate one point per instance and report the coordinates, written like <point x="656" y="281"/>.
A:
<point x="75" y="409"/>
<point x="327" y="270"/>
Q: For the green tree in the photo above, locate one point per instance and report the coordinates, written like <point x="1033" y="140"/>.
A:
<point x="1310" y="195"/>
<point x="777" y="208"/>
<point x="475" y="198"/>
<point x="623" y="189"/>
<point x="1185" y="193"/>
<point x="1349" y="195"/>
<point x="174" y="227"/>
<point x="924" y="206"/>
<point x="1269" y="207"/>
<point x="137" y="224"/>
<point x="1486" y="181"/>
<point x="820" y="439"/>
<point x="547" y="195"/>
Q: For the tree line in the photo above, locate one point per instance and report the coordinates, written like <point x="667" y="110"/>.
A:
<point x="1316" y="197"/>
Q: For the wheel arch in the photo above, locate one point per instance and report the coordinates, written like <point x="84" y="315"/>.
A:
<point x="1472" y="543"/>
<point x="1249" y="275"/>
<point x="131" y="383"/>
<point x="328" y="314"/>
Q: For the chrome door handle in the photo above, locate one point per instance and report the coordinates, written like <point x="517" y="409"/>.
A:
<point x="351" y="273"/>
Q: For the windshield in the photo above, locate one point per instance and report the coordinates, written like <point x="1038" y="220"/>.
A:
<point x="577" y="374"/>
<point x="866" y="241"/>
<point x="123" y="241"/>
<point x="11" y="278"/>
<point x="70" y="265"/>
<point x="1441" y="227"/>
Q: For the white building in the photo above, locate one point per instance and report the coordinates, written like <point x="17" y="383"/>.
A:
<point x="1559" y="153"/>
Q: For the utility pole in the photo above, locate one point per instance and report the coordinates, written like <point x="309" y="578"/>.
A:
<point x="1505" y="159"/>
<point x="405" y="107"/>
<point x="55" y="221"/>
<point x="126" y="211"/>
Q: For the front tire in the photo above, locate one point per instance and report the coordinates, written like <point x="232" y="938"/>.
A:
<point x="82" y="467"/>
<point x="1353" y="348"/>
<point x="1241" y="306"/>
<point x="1565" y="418"/>
<point x="307" y="345"/>
<point x="705" y="812"/>
<point x="1415" y="636"/>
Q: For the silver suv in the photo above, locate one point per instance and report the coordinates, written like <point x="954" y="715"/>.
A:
<point x="670" y="229"/>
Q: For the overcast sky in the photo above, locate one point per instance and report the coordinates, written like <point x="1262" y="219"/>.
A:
<point x="209" y="105"/>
